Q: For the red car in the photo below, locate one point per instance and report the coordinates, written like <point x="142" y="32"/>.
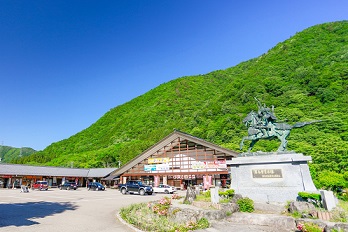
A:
<point x="40" y="185"/>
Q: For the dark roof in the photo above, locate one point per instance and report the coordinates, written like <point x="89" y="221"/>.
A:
<point x="16" y="169"/>
<point x="100" y="172"/>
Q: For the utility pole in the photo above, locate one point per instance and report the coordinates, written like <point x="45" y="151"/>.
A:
<point x="2" y="144"/>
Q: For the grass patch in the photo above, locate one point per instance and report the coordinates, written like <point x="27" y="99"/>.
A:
<point x="343" y="205"/>
<point x="203" y="197"/>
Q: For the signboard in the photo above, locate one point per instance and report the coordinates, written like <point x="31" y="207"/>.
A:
<point x="267" y="173"/>
<point x="148" y="168"/>
<point x="158" y="160"/>
<point x="156" y="167"/>
<point x="162" y="167"/>
<point x="182" y="177"/>
<point x="198" y="165"/>
<point x="209" y="164"/>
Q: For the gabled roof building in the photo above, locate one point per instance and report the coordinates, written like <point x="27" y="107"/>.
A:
<point x="179" y="160"/>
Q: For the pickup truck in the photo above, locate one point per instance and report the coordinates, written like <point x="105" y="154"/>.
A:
<point x="135" y="187"/>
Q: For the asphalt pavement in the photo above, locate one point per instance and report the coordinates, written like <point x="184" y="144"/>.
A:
<point x="81" y="210"/>
<point x="65" y="210"/>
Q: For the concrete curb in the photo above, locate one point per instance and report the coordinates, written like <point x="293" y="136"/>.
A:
<point x="118" y="216"/>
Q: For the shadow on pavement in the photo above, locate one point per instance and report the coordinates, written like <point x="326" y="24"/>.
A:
<point x="20" y="214"/>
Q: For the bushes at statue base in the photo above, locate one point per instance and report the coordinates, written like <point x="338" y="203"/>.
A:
<point x="331" y="181"/>
<point x="314" y="198"/>
<point x="246" y="204"/>
<point x="343" y="195"/>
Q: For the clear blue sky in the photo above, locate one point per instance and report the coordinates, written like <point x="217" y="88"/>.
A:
<point x="64" y="64"/>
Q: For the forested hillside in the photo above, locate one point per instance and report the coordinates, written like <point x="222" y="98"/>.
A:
<point x="8" y="154"/>
<point x="304" y="77"/>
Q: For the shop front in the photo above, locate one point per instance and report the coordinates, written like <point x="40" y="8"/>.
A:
<point x="180" y="160"/>
<point x="14" y="175"/>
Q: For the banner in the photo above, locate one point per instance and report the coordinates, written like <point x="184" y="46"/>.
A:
<point x="156" y="181"/>
<point x="206" y="182"/>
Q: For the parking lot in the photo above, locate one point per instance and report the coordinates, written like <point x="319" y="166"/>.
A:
<point x="63" y="210"/>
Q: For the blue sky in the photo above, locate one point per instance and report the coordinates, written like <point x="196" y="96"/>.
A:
<point x="64" y="64"/>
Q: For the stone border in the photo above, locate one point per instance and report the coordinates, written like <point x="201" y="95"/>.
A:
<point x="118" y="216"/>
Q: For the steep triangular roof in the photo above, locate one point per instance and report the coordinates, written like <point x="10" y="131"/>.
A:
<point x="166" y="141"/>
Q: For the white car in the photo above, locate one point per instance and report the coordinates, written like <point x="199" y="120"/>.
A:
<point x="162" y="188"/>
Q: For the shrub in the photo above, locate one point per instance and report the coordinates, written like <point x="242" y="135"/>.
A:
<point x="246" y="204"/>
<point x="230" y="192"/>
<point x="343" y="195"/>
<point x="331" y="180"/>
<point x="202" y="223"/>
<point x="176" y="196"/>
<point x="207" y="193"/>
<point x="314" y="198"/>
<point x="227" y="194"/>
<point x="190" y="226"/>
<point x="309" y="227"/>
<point x="161" y="207"/>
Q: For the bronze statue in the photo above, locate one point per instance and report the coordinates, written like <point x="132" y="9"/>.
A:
<point x="263" y="125"/>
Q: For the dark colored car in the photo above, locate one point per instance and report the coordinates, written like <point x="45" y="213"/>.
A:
<point x="135" y="187"/>
<point x="96" y="186"/>
<point x="68" y="186"/>
<point x="40" y="185"/>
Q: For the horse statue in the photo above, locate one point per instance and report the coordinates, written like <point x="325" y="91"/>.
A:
<point x="260" y="127"/>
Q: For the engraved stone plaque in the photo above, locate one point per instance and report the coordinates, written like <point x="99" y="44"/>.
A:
<point x="267" y="173"/>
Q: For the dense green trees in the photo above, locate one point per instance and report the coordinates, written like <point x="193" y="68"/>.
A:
<point x="8" y="154"/>
<point x="304" y="77"/>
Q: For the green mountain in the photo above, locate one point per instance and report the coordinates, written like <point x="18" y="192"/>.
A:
<point x="304" y="77"/>
<point x="8" y="154"/>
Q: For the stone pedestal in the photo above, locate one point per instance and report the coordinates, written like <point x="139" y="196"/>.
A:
<point x="328" y="199"/>
<point x="271" y="177"/>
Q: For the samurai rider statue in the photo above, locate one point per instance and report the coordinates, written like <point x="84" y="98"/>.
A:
<point x="263" y="125"/>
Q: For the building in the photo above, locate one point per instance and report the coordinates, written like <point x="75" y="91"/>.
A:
<point x="14" y="175"/>
<point x="179" y="160"/>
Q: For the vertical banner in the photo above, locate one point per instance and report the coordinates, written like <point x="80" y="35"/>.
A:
<point x="157" y="181"/>
<point x="165" y="180"/>
<point x="206" y="182"/>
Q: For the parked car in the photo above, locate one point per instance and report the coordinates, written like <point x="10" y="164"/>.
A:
<point x="162" y="188"/>
<point x="40" y="185"/>
<point x="68" y="186"/>
<point x="135" y="187"/>
<point x="96" y="186"/>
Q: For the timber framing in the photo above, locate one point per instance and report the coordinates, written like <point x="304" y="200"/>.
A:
<point x="189" y="148"/>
